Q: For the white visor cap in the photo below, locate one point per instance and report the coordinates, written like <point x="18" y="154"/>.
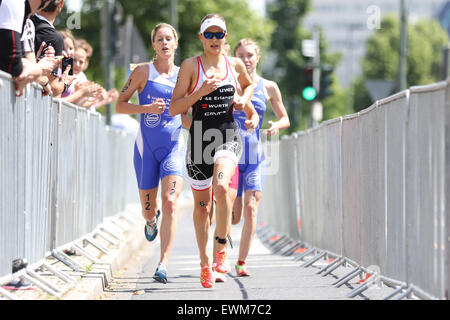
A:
<point x="213" y="22"/>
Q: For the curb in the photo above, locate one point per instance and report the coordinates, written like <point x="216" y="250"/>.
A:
<point x="92" y="284"/>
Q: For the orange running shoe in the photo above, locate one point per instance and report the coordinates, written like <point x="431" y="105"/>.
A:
<point x="206" y="277"/>
<point x="222" y="265"/>
<point x="241" y="271"/>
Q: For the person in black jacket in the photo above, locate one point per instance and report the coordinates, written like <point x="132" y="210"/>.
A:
<point x="13" y="14"/>
<point x="45" y="32"/>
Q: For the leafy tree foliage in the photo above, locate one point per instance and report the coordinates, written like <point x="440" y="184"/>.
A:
<point x="426" y="39"/>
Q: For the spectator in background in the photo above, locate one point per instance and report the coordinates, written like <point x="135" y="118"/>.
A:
<point x="69" y="42"/>
<point x="78" y="91"/>
<point x="47" y="63"/>
<point x="13" y="15"/>
<point x="45" y="32"/>
<point x="81" y="43"/>
<point x="107" y="96"/>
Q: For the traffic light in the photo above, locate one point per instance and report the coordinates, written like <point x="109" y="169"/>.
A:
<point x="308" y="92"/>
<point x="325" y="81"/>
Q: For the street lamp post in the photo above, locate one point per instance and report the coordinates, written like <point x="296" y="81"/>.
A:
<point x="403" y="46"/>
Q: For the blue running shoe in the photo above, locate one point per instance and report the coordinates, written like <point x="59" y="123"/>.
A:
<point x="151" y="231"/>
<point x="161" y="273"/>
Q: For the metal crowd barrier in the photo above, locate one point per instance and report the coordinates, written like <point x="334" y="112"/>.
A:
<point x="373" y="188"/>
<point x="62" y="173"/>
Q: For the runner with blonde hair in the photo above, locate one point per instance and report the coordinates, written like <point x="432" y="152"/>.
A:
<point x="208" y="84"/>
<point x="158" y="152"/>
<point x="251" y="163"/>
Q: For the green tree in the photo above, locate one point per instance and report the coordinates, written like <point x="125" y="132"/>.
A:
<point x="286" y="43"/>
<point x="426" y="39"/>
<point x="241" y="23"/>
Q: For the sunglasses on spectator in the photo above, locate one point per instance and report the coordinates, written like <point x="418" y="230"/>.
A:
<point x="210" y="35"/>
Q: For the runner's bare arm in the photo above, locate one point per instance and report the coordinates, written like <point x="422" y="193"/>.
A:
<point x="252" y="117"/>
<point x="245" y="81"/>
<point x="137" y="82"/>
<point x="181" y="100"/>
<point x="278" y="108"/>
<point x="186" y="121"/>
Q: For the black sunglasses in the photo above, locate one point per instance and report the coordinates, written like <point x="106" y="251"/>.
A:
<point x="210" y="35"/>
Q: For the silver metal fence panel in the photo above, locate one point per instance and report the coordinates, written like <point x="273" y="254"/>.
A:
<point x="12" y="148"/>
<point x="67" y="175"/>
<point x="111" y="175"/>
<point x="317" y="215"/>
<point x="278" y="214"/>
<point x="55" y="107"/>
<point x="268" y="207"/>
<point x="84" y="193"/>
<point x="100" y="156"/>
<point x="447" y="192"/>
<point x="132" y="188"/>
<point x="425" y="189"/>
<point x="291" y="186"/>
<point x="309" y="174"/>
<point x="90" y="170"/>
<point x="331" y="237"/>
<point x="372" y="157"/>
<point x="60" y="169"/>
<point x="351" y="188"/>
<point x="395" y="215"/>
<point x="118" y="170"/>
<point x="301" y="176"/>
<point x="36" y="183"/>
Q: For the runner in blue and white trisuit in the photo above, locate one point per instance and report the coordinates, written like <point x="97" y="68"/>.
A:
<point x="251" y="164"/>
<point x="158" y="151"/>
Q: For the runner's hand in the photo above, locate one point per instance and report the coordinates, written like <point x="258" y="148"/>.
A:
<point x="157" y="107"/>
<point x="209" y="85"/>
<point x="239" y="103"/>
<point x="272" y="129"/>
<point x="251" y="125"/>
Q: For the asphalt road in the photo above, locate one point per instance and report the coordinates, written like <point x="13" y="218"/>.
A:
<point x="274" y="277"/>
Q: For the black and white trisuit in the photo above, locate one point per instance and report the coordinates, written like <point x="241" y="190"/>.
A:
<point x="213" y="132"/>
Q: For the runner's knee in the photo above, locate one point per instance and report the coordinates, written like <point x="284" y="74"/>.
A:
<point x="202" y="208"/>
<point x="169" y="205"/>
<point x="221" y="190"/>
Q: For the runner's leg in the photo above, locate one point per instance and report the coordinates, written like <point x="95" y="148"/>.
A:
<point x="171" y="188"/>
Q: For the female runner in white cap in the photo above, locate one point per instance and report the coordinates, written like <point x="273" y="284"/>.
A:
<point x="208" y="83"/>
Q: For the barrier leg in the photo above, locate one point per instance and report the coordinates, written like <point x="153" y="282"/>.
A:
<point x="356" y="271"/>
<point x="67" y="261"/>
<point x="334" y="268"/>
<point x="394" y="293"/>
<point x="328" y="266"/>
<point x="304" y="254"/>
<point x="58" y="273"/>
<point x="364" y="286"/>
<point x="314" y="259"/>
<point x="404" y="294"/>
